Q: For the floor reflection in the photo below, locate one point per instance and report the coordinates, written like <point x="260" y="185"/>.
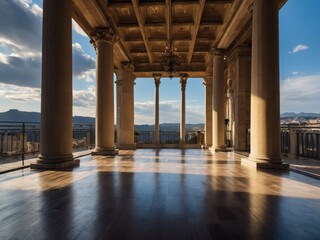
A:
<point x="152" y="194"/>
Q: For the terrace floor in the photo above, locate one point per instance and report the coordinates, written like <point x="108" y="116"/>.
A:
<point x="159" y="194"/>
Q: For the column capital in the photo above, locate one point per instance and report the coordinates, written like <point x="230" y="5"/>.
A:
<point x="183" y="80"/>
<point x="103" y="34"/>
<point x="216" y="52"/>
<point x="128" y="66"/>
<point x="157" y="77"/>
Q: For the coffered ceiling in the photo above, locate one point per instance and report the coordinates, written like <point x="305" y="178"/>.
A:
<point x="144" y="28"/>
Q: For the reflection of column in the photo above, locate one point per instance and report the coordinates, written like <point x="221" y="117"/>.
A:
<point x="56" y="88"/>
<point x="103" y="41"/>
<point x="183" y="82"/>
<point x="218" y="107"/>
<point x="157" y="82"/>
<point x="125" y="106"/>
<point x="265" y="103"/>
<point x="208" y="106"/>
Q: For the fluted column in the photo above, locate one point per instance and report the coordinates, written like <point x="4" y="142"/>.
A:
<point x="218" y="107"/>
<point x="125" y="106"/>
<point x="242" y="97"/>
<point x="208" y="106"/>
<point x="183" y="83"/>
<point x="157" y="82"/>
<point x="265" y="94"/>
<point x="56" y="87"/>
<point x="103" y="40"/>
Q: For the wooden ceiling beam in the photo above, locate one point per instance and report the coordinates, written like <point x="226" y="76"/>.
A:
<point x="219" y="2"/>
<point x="103" y="9"/>
<point x="168" y="19"/>
<point x="127" y="25"/>
<point x="155" y="3"/>
<point x="211" y="23"/>
<point x="155" y="24"/>
<point x="177" y="24"/>
<point x="135" y="4"/>
<point x="202" y="4"/>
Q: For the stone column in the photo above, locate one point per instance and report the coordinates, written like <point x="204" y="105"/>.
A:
<point x="157" y="82"/>
<point x="56" y="87"/>
<point x="265" y="94"/>
<point x="242" y="97"/>
<point x="125" y="106"/>
<point x="208" y="106"/>
<point x="218" y="107"/>
<point x="183" y="82"/>
<point x="103" y="40"/>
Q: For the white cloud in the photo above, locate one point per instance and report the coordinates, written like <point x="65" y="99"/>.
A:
<point x="299" y="48"/>
<point x="21" y="94"/>
<point x="20" y="70"/>
<point x="84" y="98"/>
<point x="295" y="73"/>
<point x="21" y="42"/>
<point x="84" y="102"/>
<point x="78" y="29"/>
<point x="21" y="26"/>
<point x="83" y="64"/>
<point x="169" y="112"/>
<point x="300" y="94"/>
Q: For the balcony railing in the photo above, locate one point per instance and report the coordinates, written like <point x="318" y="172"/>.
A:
<point x="21" y="140"/>
<point x="169" y="137"/>
<point x="301" y="140"/>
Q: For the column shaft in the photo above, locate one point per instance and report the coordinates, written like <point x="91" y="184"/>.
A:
<point x="157" y="82"/>
<point x="125" y="124"/>
<point x="242" y="97"/>
<point x="103" y="40"/>
<point x="208" y="110"/>
<point x="218" y="113"/>
<point x="56" y="88"/>
<point x="183" y="82"/>
<point x="265" y="95"/>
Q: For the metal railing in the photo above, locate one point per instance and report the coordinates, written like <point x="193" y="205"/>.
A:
<point x="169" y="137"/>
<point x="21" y="140"/>
<point x="301" y="140"/>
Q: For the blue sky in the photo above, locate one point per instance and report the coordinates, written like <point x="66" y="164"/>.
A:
<point x="20" y="66"/>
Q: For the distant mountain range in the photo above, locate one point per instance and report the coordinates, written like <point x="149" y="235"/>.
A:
<point x="21" y="116"/>
<point x="302" y="114"/>
<point x="14" y="115"/>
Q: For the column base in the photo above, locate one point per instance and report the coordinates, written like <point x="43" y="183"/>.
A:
<point x="105" y="152"/>
<point x="51" y="164"/>
<point x="132" y="146"/>
<point x="258" y="163"/>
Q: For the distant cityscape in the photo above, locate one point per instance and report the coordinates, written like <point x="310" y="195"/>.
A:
<point x="34" y="117"/>
<point x="285" y="118"/>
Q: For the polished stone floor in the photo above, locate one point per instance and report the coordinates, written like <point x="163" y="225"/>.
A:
<point x="159" y="194"/>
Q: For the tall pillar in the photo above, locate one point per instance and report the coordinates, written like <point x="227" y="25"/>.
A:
<point x="103" y="40"/>
<point x="183" y="83"/>
<point x="157" y="82"/>
<point x="125" y="106"/>
<point x="56" y="87"/>
<point x="265" y="94"/>
<point x="218" y="107"/>
<point x="208" y="106"/>
<point x="242" y="97"/>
